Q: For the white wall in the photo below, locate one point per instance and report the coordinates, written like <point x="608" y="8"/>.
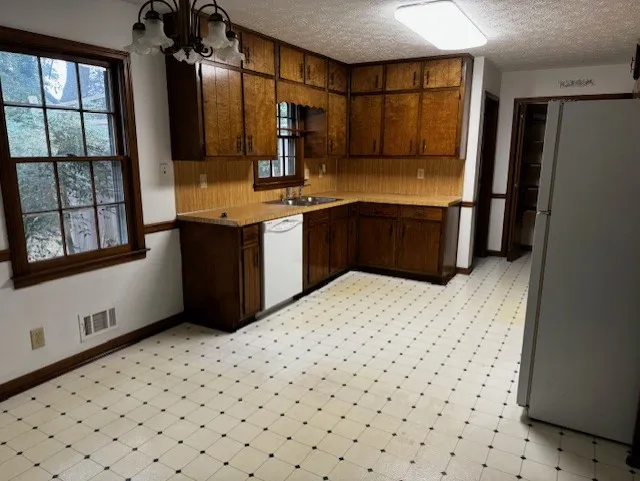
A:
<point x="486" y="77"/>
<point x="143" y="291"/>
<point x="542" y="83"/>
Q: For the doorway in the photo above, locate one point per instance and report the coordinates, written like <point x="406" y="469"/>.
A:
<point x="485" y="180"/>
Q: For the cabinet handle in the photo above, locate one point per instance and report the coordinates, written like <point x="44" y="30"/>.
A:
<point x="424" y="145"/>
<point x="255" y="260"/>
<point x="247" y="55"/>
<point x="331" y="146"/>
<point x="308" y="71"/>
<point x="374" y="146"/>
<point x="331" y="77"/>
<point x="302" y="71"/>
<point x="251" y="143"/>
<point x="402" y="232"/>
<point x="410" y="146"/>
<point x="238" y="143"/>
<point x="377" y="79"/>
<point x="415" y="78"/>
<point x="426" y="80"/>
<point x="390" y="230"/>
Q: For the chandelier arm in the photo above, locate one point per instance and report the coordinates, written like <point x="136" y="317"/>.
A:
<point x="217" y="7"/>
<point x="150" y="3"/>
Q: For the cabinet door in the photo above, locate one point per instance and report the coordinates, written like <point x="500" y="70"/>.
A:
<point x="222" y="97"/>
<point x="337" y="113"/>
<point x="339" y="240"/>
<point x="439" y="122"/>
<point x="338" y="77"/>
<point x="260" y="115"/>
<point x="418" y="246"/>
<point x="353" y="241"/>
<point x="252" y="280"/>
<point x="366" y="122"/>
<point x="291" y="64"/>
<point x="366" y="79"/>
<point x="315" y="71"/>
<point x="401" y="76"/>
<point x="318" y="253"/>
<point x="443" y="73"/>
<point x="259" y="53"/>
<point x="401" y="124"/>
<point x="376" y="242"/>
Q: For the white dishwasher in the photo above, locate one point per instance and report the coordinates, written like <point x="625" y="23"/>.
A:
<point x="282" y="260"/>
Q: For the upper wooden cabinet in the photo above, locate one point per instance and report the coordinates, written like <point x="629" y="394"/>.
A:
<point x="443" y="73"/>
<point x="439" y="122"/>
<point x="315" y="70"/>
<point x="401" y="124"/>
<point x="222" y="100"/>
<point x="367" y="79"/>
<point x="291" y="64"/>
<point x="403" y="76"/>
<point x="337" y="113"/>
<point x="338" y="77"/>
<point x="259" y="115"/>
<point x="259" y="53"/>
<point x="365" y="123"/>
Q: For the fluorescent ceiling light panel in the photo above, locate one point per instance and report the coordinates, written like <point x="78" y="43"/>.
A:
<point x="442" y="23"/>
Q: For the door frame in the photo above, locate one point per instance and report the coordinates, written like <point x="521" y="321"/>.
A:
<point x="514" y="161"/>
<point x="481" y="235"/>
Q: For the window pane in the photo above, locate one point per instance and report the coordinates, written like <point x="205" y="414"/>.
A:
<point x="112" y="222"/>
<point x="80" y="230"/>
<point x="94" y="87"/>
<point x="284" y="109"/>
<point x="99" y="134"/>
<point x="25" y="127"/>
<point x="37" y="186"/>
<point x="264" y="169"/>
<point x="276" y="166"/>
<point x="65" y="133"/>
<point x="60" y="83"/>
<point x="43" y="236"/>
<point x="75" y="184"/>
<point x="291" y="166"/>
<point x="107" y="176"/>
<point x="20" y="78"/>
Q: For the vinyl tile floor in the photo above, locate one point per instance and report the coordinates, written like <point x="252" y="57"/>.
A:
<point x="370" y="378"/>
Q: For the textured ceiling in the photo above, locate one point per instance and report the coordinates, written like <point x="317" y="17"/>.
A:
<point x="521" y="33"/>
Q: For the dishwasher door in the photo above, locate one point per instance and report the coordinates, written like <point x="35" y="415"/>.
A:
<point x="282" y="260"/>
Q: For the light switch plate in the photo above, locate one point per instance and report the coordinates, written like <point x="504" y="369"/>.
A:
<point x="164" y="169"/>
<point x="307" y="174"/>
<point x="420" y="173"/>
<point x="37" y="338"/>
<point x="203" y="181"/>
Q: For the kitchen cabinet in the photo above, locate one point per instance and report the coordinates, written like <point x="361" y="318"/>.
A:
<point x="222" y="274"/>
<point x="367" y="79"/>
<point x="259" y="115"/>
<point x="337" y="120"/>
<point x="315" y="70"/>
<point x="291" y="64"/>
<point x="439" y="122"/>
<point x="401" y="124"/>
<point x="418" y="246"/>
<point x="352" y="247"/>
<point x="403" y="76"/>
<point x="318" y="245"/>
<point x="365" y="124"/>
<point x="339" y="241"/>
<point x="338" y="77"/>
<point x="443" y="73"/>
<point x="222" y="100"/>
<point x="259" y="53"/>
<point x="376" y="244"/>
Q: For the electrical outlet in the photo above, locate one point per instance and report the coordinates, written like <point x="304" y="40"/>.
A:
<point x="37" y="338"/>
<point x="203" y="181"/>
<point x="323" y="168"/>
<point x="420" y="173"/>
<point x="164" y="169"/>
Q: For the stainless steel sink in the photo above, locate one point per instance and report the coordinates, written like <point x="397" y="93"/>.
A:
<point x="304" y="201"/>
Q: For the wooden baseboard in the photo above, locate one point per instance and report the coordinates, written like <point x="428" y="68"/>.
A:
<point x="495" y="253"/>
<point x="160" y="226"/>
<point x="5" y="255"/>
<point x="33" y="379"/>
<point x="464" y="270"/>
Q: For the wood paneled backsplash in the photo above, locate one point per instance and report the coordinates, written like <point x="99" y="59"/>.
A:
<point x="442" y="175"/>
<point x="230" y="182"/>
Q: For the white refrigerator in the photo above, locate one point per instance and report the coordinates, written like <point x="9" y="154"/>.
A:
<point x="581" y="352"/>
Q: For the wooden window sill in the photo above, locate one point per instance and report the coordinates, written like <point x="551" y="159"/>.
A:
<point x="278" y="184"/>
<point x="74" y="268"/>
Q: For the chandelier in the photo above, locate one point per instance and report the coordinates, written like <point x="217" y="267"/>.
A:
<point x="187" y="43"/>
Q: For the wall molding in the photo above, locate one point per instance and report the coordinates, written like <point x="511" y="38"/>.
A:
<point x="5" y="254"/>
<point x="496" y="253"/>
<point x="464" y="270"/>
<point x="465" y="203"/>
<point x="35" y="378"/>
<point x="498" y="196"/>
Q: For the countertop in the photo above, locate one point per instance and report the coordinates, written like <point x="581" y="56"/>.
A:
<point x="242" y="215"/>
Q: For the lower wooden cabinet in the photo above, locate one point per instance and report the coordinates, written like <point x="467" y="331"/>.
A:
<point x="318" y="245"/>
<point x="418" y="246"/>
<point x="377" y="239"/>
<point x="222" y="274"/>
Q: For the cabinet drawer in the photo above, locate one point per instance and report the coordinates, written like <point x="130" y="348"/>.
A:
<point x="317" y="217"/>
<point x="420" y="212"/>
<point x="340" y="212"/>
<point x="250" y="234"/>
<point x="379" y="210"/>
